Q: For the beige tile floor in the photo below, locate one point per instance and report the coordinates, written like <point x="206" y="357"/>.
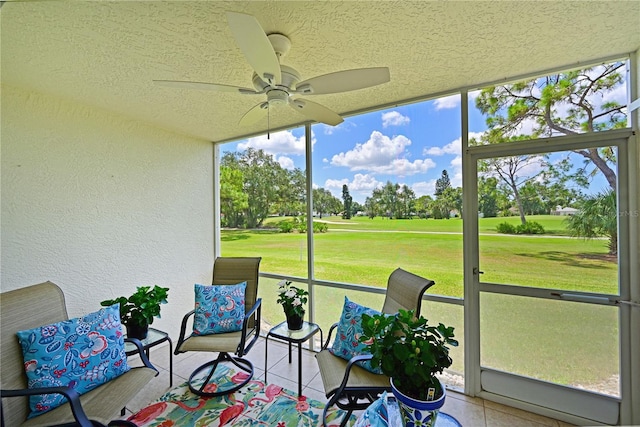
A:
<point x="470" y="411"/>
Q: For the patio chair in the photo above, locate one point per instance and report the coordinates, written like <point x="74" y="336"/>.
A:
<point x="227" y="271"/>
<point x="36" y="306"/>
<point x="346" y="384"/>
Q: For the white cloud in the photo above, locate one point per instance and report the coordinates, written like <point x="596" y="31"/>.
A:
<point x="393" y="118"/>
<point x="403" y="167"/>
<point x="325" y="160"/>
<point x="456" y="166"/>
<point x="448" y="102"/>
<point x="360" y="187"/>
<point x="283" y="142"/>
<point x="335" y="183"/>
<point x="618" y="94"/>
<point x="364" y="183"/>
<point x="424" y="188"/>
<point x="381" y="154"/>
<point x="286" y="162"/>
<point x="454" y="147"/>
<point x="330" y="130"/>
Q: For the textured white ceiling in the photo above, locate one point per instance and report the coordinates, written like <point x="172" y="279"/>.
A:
<point x="106" y="54"/>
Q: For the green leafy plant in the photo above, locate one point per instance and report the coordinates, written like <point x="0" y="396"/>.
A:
<point x="291" y="298"/>
<point x="410" y="351"/>
<point x="530" y="227"/>
<point x="506" y="228"/>
<point x="141" y="307"/>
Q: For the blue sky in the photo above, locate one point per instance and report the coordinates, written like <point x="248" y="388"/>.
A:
<point x="408" y="145"/>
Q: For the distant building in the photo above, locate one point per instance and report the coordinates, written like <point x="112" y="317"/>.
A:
<point x="560" y="211"/>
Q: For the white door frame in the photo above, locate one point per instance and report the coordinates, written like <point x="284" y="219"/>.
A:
<point x="569" y="404"/>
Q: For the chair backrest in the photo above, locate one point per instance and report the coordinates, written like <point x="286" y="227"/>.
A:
<point x="21" y="309"/>
<point x="232" y="270"/>
<point x="405" y="290"/>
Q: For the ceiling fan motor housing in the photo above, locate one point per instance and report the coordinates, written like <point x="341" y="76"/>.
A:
<point x="277" y="97"/>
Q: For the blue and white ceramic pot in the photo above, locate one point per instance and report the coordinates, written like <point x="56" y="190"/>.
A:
<point x="418" y="413"/>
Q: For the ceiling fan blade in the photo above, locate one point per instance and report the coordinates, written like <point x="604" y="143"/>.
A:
<point x="344" y="81"/>
<point x="204" y="86"/>
<point x="317" y="112"/>
<point x="254" y="114"/>
<point x="255" y="46"/>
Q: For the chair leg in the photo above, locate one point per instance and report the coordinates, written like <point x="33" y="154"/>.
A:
<point x="205" y="391"/>
<point x="329" y="404"/>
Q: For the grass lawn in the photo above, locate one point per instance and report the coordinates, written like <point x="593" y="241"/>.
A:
<point x="578" y="342"/>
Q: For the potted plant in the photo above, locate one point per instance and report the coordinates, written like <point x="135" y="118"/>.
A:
<point x="137" y="311"/>
<point x="292" y="300"/>
<point x="411" y="352"/>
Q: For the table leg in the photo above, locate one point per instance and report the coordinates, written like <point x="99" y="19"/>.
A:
<point x="266" y="350"/>
<point x="170" y="362"/>
<point x="299" y="369"/>
<point x="289" y="351"/>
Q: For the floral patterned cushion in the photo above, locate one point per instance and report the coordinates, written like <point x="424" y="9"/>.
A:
<point x="83" y="353"/>
<point x="219" y="308"/>
<point x="346" y="344"/>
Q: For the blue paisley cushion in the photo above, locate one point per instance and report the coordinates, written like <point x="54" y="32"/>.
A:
<point x="346" y="344"/>
<point x="219" y="308"/>
<point x="82" y="353"/>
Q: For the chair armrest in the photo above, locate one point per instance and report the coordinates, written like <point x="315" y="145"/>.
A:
<point x="326" y="343"/>
<point x="352" y="361"/>
<point x="183" y="330"/>
<point x="143" y="355"/>
<point x="256" y="311"/>
<point x="73" y="398"/>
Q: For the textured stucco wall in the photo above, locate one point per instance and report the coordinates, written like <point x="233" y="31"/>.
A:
<point x="100" y="204"/>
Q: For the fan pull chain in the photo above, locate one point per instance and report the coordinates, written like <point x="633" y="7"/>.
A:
<point x="268" y="122"/>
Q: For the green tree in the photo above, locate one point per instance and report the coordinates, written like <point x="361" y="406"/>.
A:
<point x="406" y="202"/>
<point x="442" y="183"/>
<point x="449" y="199"/>
<point x="389" y="199"/>
<point x="347" y="200"/>
<point x="355" y="208"/>
<point x="423" y="206"/>
<point x="324" y="202"/>
<point x="531" y="197"/>
<point x="233" y="200"/>
<point x="292" y="196"/>
<point x="510" y="170"/>
<point x="563" y="103"/>
<point x="263" y="183"/>
<point x="490" y="198"/>
<point x="373" y="205"/>
<point x="598" y="216"/>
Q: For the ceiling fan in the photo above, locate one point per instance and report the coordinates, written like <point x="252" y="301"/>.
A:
<point x="281" y="84"/>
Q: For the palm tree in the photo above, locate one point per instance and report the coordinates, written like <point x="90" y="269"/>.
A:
<point x="598" y="217"/>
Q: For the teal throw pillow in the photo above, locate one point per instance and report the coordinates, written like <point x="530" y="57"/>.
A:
<point x="82" y="353"/>
<point x="346" y="344"/>
<point x="219" y="308"/>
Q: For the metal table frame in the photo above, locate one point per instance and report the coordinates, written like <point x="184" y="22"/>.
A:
<point x="282" y="332"/>
<point x="154" y="338"/>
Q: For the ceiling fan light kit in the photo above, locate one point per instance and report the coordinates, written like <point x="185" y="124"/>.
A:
<point x="279" y="82"/>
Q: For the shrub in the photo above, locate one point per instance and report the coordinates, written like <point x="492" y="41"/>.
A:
<point x="506" y="228"/>
<point x="285" y="226"/>
<point x="530" y="227"/>
<point x="300" y="225"/>
<point x="320" y="227"/>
